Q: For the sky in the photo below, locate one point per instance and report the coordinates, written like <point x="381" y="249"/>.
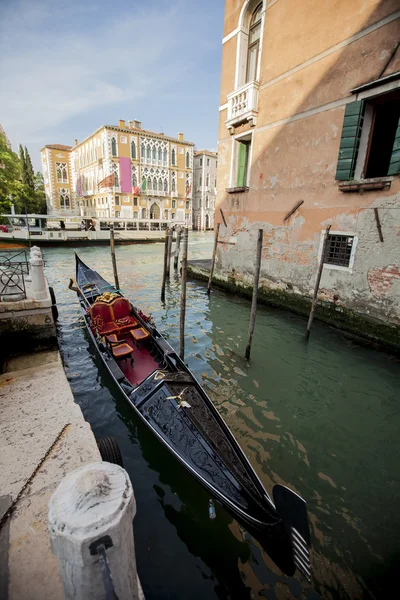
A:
<point x="66" y="68"/>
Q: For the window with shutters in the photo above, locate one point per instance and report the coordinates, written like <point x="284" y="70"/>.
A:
<point x="370" y="140"/>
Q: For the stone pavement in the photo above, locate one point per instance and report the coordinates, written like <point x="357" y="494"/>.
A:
<point x="40" y="424"/>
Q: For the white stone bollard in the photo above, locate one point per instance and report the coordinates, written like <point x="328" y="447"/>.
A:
<point x="92" y="503"/>
<point x="39" y="285"/>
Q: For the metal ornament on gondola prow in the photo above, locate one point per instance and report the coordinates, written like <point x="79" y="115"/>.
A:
<point x="164" y="393"/>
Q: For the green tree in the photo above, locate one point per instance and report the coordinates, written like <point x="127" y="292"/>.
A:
<point x="30" y="175"/>
<point x="40" y="194"/>
<point x="10" y="184"/>
<point x="18" y="182"/>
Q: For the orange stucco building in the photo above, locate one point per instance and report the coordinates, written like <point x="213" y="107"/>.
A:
<point x="309" y="136"/>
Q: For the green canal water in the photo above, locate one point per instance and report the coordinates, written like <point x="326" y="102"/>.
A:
<point x="321" y="417"/>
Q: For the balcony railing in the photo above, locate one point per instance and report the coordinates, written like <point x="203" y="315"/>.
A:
<point x="156" y="193"/>
<point x="243" y="105"/>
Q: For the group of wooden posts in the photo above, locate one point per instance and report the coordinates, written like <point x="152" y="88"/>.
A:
<point x="182" y="236"/>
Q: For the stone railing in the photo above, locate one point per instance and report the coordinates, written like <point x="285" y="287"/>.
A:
<point x="243" y="105"/>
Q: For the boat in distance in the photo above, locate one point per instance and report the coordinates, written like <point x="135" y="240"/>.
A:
<point x="165" y="395"/>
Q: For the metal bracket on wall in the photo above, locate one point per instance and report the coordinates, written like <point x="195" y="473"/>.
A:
<point x="295" y="207"/>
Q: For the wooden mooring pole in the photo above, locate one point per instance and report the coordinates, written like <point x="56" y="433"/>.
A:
<point x="183" y="293"/>
<point x="318" y="281"/>
<point x="113" y="259"/>
<point x="170" y="236"/>
<point x="164" y="279"/>
<point x="255" y="293"/>
<point x="213" y="258"/>
<point x="177" y="247"/>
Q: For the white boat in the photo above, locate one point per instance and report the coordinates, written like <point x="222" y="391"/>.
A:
<point x="49" y="230"/>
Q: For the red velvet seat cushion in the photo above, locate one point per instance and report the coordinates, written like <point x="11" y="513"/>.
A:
<point x="139" y="334"/>
<point x="122" y="350"/>
<point x="126" y="324"/>
<point x="108" y="328"/>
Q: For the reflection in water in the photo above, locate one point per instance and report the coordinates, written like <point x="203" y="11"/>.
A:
<point x="322" y="418"/>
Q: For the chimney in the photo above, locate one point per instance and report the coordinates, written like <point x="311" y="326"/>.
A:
<point x="137" y="124"/>
<point x="75" y="142"/>
<point x="121" y="123"/>
<point x="180" y="137"/>
<point x="130" y="124"/>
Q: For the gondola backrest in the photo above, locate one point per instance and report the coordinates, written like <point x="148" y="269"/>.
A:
<point x="121" y="307"/>
<point x="101" y="311"/>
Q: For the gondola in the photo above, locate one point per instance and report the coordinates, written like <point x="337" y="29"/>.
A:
<point x="164" y="393"/>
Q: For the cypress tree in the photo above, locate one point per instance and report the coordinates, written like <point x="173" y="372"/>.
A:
<point x="30" y="175"/>
<point x="24" y="179"/>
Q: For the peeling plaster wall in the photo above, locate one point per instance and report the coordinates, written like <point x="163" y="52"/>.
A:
<point x="295" y="143"/>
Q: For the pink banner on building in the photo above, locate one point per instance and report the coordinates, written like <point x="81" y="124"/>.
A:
<point x="126" y="178"/>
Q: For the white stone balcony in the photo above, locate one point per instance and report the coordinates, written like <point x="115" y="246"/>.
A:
<point x="243" y="105"/>
<point x="174" y="194"/>
<point x="155" y="193"/>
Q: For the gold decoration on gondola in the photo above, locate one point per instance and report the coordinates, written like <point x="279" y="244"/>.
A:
<point x="107" y="297"/>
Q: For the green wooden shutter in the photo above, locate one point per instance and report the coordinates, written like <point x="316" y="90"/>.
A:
<point x="242" y="159"/>
<point x="350" y="140"/>
<point x="394" y="165"/>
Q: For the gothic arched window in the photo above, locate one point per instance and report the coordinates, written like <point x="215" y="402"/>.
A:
<point x="173" y="157"/>
<point x="113" y="146"/>
<point x="133" y="149"/>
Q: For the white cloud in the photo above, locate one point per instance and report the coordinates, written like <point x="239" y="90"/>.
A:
<point x="53" y="68"/>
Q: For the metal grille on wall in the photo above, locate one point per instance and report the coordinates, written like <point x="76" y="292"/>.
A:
<point x="338" y="250"/>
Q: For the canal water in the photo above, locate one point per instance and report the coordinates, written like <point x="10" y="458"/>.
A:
<point x="321" y="417"/>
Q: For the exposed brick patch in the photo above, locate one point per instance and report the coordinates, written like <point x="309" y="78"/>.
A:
<point x="380" y="280"/>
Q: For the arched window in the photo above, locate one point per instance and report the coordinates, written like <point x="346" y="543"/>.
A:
<point x="116" y="175"/>
<point x="148" y="155"/>
<point x="149" y="184"/>
<point x="155" y="184"/>
<point x="64" y="199"/>
<point x="159" y="154"/>
<point x="133" y="149"/>
<point x="154" y="154"/>
<point x="134" y="179"/>
<point x="173" y="157"/>
<point x="173" y="185"/>
<point x="142" y="151"/>
<point x="254" y="44"/>
<point x="160" y="185"/>
<point x="135" y="215"/>
<point x="187" y="160"/>
<point x="165" y="156"/>
<point x="113" y="146"/>
<point x="165" y="185"/>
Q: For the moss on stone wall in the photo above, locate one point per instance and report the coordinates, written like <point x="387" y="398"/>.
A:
<point x="360" y="326"/>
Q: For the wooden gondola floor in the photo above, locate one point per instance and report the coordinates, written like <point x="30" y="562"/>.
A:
<point x="143" y="362"/>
